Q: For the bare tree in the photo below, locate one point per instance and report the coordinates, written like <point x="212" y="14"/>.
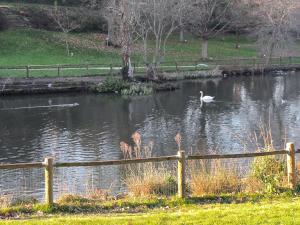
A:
<point x="156" y="19"/>
<point x="67" y="19"/>
<point x="242" y="19"/>
<point x="274" y="31"/>
<point x="122" y="19"/>
<point x="207" y="19"/>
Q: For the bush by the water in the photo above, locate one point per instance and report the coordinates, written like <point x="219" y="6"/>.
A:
<point x="112" y="85"/>
<point x="270" y="171"/>
<point x="117" y="85"/>
<point x="137" y="89"/>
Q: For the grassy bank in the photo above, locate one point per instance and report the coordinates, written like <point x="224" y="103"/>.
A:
<point x="252" y="210"/>
<point x="37" y="47"/>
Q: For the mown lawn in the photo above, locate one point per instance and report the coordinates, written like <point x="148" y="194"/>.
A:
<point x="276" y="211"/>
<point x="39" y="47"/>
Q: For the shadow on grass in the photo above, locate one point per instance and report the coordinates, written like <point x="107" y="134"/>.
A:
<point x="79" y="205"/>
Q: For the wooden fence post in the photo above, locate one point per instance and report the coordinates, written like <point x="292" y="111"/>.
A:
<point x="111" y="69"/>
<point x="48" y="180"/>
<point x="291" y="165"/>
<point x="181" y="174"/>
<point x="280" y="61"/>
<point x="27" y="71"/>
<point x="58" y="70"/>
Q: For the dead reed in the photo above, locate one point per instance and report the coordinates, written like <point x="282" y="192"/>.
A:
<point x="213" y="177"/>
<point x="148" y="178"/>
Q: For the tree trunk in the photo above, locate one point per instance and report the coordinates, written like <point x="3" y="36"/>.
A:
<point x="181" y="35"/>
<point x="67" y="46"/>
<point x="204" y="49"/>
<point x="125" y="68"/>
<point x="152" y="72"/>
<point x="237" y="44"/>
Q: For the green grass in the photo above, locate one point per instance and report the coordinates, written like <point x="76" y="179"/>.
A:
<point x="219" y="47"/>
<point x="37" y="47"/>
<point x="275" y="210"/>
<point x="21" y="47"/>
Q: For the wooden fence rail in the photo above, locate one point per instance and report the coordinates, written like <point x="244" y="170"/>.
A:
<point x="181" y="158"/>
<point x="166" y="66"/>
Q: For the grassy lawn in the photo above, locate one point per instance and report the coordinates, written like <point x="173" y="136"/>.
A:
<point x="37" y="47"/>
<point x="23" y="47"/>
<point x="271" y="211"/>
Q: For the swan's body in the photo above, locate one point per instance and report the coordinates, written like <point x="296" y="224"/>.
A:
<point x="206" y="98"/>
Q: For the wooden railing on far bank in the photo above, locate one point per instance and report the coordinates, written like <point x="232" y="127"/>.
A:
<point x="90" y="69"/>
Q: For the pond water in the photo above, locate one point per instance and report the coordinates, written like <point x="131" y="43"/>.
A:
<point x="33" y="127"/>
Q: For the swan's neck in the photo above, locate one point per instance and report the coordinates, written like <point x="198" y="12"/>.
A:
<point x="201" y="94"/>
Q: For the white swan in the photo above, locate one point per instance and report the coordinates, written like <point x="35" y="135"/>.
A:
<point x="206" y="98"/>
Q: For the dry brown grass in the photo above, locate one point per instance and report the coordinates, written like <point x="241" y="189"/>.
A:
<point x="147" y="178"/>
<point x="99" y="194"/>
<point x="214" y="178"/>
<point x="5" y="201"/>
<point x="151" y="181"/>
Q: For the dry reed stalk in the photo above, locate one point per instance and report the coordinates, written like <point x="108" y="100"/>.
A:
<point x="5" y="201"/>
<point x="214" y="178"/>
<point x="99" y="194"/>
<point x="147" y="178"/>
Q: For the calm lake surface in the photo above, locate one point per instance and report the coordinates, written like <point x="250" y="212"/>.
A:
<point x="94" y="129"/>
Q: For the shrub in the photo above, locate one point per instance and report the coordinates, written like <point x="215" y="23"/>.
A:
<point x="111" y="85"/>
<point x="69" y="198"/>
<point x="39" y="18"/>
<point x="3" y="22"/>
<point x="137" y="89"/>
<point x="98" y="194"/>
<point x="270" y="171"/>
<point x="24" y="201"/>
<point x="93" y="21"/>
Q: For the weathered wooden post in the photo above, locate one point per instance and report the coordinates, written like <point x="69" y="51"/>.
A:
<point x="27" y="71"/>
<point x="181" y="174"/>
<point x="58" y="70"/>
<point x="48" y="180"/>
<point x="291" y="165"/>
<point x="280" y="61"/>
<point x="111" y="69"/>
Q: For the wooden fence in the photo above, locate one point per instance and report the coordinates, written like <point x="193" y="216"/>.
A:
<point x="167" y="66"/>
<point x="181" y="159"/>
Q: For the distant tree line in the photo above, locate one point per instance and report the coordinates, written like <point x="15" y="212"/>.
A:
<point x="270" y="22"/>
